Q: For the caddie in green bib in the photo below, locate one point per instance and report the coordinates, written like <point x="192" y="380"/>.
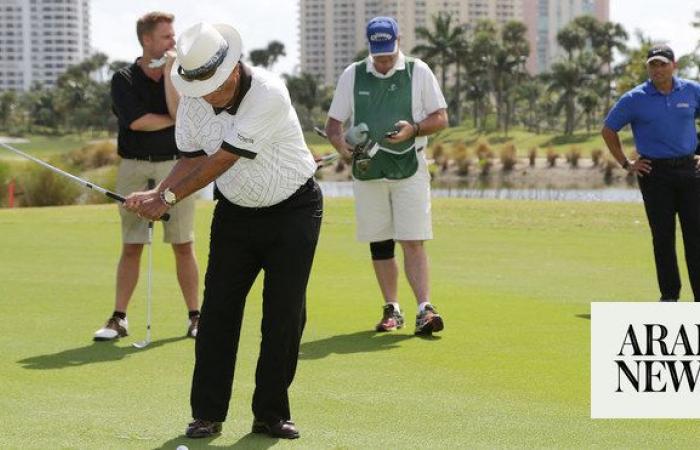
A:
<point x="380" y="103"/>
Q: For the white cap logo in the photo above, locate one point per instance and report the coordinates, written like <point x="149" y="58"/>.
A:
<point x="377" y="37"/>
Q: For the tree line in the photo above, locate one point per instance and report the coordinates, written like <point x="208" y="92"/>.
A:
<point x="481" y="69"/>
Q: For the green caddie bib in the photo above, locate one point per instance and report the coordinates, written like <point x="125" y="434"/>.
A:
<point x="380" y="103"/>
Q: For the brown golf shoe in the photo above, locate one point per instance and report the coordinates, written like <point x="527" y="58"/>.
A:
<point x="202" y="428"/>
<point x="428" y="322"/>
<point x="391" y="319"/>
<point x="283" y="429"/>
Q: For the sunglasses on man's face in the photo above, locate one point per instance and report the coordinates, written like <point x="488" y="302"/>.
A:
<point x="200" y="76"/>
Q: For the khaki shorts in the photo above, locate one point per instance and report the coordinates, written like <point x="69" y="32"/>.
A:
<point x="133" y="176"/>
<point x="394" y="209"/>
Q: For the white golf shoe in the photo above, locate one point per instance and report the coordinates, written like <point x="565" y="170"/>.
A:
<point x="113" y="329"/>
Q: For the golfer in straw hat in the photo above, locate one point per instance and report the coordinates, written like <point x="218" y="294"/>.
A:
<point x="236" y="125"/>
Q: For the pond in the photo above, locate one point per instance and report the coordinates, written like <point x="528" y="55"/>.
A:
<point x="344" y="189"/>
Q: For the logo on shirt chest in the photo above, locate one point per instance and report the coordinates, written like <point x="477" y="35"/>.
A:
<point x="247" y="140"/>
<point x="682" y="105"/>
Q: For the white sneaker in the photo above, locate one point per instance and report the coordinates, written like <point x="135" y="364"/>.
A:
<point x="113" y="329"/>
<point x="193" y="327"/>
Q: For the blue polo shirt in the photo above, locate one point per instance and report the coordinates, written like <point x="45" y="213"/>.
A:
<point x="663" y="126"/>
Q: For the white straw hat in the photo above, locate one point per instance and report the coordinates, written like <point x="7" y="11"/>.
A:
<point x="206" y="56"/>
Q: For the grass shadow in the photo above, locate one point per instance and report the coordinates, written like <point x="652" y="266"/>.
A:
<point x="96" y="352"/>
<point x="584" y="316"/>
<point x="573" y="139"/>
<point x="249" y="441"/>
<point x="359" y="342"/>
<point x="500" y="139"/>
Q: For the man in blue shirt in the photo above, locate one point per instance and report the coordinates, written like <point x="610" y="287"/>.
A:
<point x="662" y="114"/>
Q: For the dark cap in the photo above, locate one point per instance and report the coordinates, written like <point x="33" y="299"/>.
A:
<point x="661" y="53"/>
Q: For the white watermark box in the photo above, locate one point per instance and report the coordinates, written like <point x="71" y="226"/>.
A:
<point x="645" y="360"/>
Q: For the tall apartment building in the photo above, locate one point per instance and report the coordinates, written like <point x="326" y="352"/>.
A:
<point x="332" y="32"/>
<point x="39" y="39"/>
<point x="544" y="19"/>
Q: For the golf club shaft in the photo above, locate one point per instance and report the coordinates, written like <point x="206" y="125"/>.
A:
<point x="87" y="184"/>
<point x="149" y="288"/>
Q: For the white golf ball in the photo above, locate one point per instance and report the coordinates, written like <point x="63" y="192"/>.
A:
<point x="182" y="447"/>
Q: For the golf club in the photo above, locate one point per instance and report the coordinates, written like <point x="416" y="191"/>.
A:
<point x="369" y="148"/>
<point x="87" y="184"/>
<point x="320" y="132"/>
<point x="326" y="160"/>
<point x="145" y="342"/>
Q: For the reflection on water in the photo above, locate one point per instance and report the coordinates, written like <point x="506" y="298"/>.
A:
<point x="344" y="189"/>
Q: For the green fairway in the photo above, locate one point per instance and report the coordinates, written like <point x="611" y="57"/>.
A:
<point x="513" y="280"/>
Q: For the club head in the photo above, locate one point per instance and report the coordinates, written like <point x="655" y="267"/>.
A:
<point x="142" y="344"/>
<point x="320" y="132"/>
<point x="326" y="160"/>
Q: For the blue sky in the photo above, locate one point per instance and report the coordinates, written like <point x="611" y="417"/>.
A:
<point x="261" y="21"/>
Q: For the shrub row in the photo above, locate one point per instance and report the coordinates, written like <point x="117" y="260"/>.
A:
<point x="38" y="186"/>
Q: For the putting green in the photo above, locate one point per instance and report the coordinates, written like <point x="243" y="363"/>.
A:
<point x="512" y="279"/>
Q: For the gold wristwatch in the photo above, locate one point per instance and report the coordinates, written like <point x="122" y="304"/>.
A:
<point x="168" y="197"/>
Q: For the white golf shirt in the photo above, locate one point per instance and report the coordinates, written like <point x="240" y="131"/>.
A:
<point x="275" y="160"/>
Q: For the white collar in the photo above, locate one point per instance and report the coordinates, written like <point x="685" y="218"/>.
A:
<point x="400" y="65"/>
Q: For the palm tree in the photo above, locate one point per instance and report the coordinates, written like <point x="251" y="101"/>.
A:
<point x="305" y="95"/>
<point x="480" y="67"/>
<point x="609" y="37"/>
<point x="275" y="49"/>
<point x="571" y="38"/>
<point x="633" y="71"/>
<point x="267" y="57"/>
<point x="516" y="49"/>
<point x="460" y="52"/>
<point x="258" y="57"/>
<point x="438" y="44"/>
<point x="568" y="78"/>
<point x="530" y="92"/>
<point x="8" y="103"/>
<point x="588" y="99"/>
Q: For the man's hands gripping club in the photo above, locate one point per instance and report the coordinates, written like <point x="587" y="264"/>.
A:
<point x="147" y="204"/>
<point x="187" y="177"/>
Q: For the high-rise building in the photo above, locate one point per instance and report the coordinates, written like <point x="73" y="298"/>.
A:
<point x="544" y="19"/>
<point x="39" y="39"/>
<point x="332" y="32"/>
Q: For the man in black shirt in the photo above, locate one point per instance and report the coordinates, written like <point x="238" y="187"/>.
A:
<point x="145" y="103"/>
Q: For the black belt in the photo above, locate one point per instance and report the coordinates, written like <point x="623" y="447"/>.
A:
<point x="153" y="158"/>
<point x="672" y="162"/>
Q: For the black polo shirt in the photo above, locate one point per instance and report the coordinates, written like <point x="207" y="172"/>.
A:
<point x="135" y="95"/>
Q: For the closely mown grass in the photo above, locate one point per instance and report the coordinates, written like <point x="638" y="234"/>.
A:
<point x="514" y="281"/>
